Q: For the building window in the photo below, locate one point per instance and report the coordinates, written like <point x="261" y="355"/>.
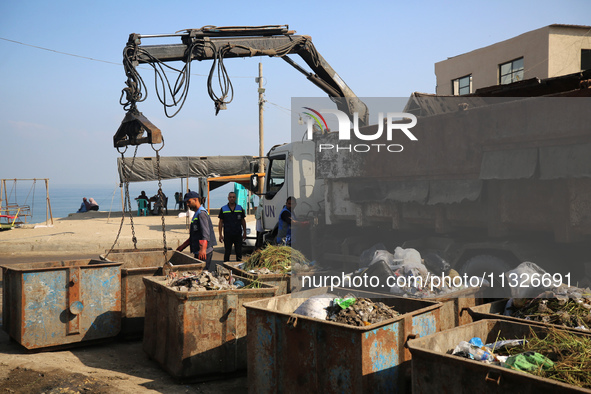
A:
<point x="585" y="59"/>
<point x="511" y="71"/>
<point x="461" y="86"/>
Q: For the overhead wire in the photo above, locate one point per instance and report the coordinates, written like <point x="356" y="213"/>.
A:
<point x="176" y="95"/>
<point x="99" y="60"/>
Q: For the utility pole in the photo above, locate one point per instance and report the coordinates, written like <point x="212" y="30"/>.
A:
<point x="261" y="109"/>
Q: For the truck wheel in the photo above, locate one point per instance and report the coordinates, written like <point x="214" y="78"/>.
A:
<point x="486" y="265"/>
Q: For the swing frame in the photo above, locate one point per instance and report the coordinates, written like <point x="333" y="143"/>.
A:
<point x="16" y="214"/>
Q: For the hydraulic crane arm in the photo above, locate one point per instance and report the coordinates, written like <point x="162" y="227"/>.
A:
<point x="216" y="44"/>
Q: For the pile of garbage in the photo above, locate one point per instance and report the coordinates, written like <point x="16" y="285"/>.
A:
<point x="359" y="312"/>
<point x="409" y="272"/>
<point x="558" y="355"/>
<point x="204" y="281"/>
<point x="548" y="301"/>
<point x="349" y="310"/>
<point x="276" y="260"/>
<point x="563" y="305"/>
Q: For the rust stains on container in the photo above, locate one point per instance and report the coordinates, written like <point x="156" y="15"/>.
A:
<point x="61" y="303"/>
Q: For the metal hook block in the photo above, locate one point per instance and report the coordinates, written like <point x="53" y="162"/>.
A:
<point x="132" y="128"/>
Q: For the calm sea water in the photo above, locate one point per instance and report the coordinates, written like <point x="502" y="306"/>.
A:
<point x="66" y="199"/>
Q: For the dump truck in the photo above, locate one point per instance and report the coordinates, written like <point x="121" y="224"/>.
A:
<point x="491" y="180"/>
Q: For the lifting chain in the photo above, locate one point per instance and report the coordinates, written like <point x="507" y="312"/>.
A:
<point x="161" y="197"/>
<point x="126" y="200"/>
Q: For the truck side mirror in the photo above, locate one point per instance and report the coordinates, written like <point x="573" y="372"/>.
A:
<point x="254" y="183"/>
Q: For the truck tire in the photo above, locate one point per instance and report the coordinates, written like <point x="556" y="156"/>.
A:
<point x="486" y="265"/>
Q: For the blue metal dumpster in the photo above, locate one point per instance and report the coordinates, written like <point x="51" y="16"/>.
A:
<point x="63" y="302"/>
<point x="138" y="263"/>
<point x="293" y="353"/>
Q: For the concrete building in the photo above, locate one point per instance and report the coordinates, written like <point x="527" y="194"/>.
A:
<point x="548" y="52"/>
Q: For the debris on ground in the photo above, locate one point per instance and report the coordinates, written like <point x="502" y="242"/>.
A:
<point x="362" y="312"/>
<point x="204" y="281"/>
<point x="564" y="306"/>
<point x="275" y="260"/>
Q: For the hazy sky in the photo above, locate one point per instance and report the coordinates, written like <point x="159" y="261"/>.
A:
<point x="59" y="112"/>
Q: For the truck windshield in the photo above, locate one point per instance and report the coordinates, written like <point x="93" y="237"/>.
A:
<point x="276" y="176"/>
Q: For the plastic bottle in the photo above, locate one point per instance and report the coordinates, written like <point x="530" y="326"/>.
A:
<point x="476" y="353"/>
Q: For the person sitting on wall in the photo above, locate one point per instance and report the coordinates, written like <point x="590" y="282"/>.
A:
<point x="92" y="205"/>
<point x="83" y="206"/>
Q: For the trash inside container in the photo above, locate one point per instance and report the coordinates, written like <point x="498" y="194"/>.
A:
<point x="193" y="333"/>
<point x="281" y="281"/>
<point x="435" y="371"/>
<point x="285" y="283"/>
<point x="495" y="310"/>
<point x="456" y="304"/>
<point x="62" y="302"/>
<point x="288" y="352"/>
<point x="137" y="263"/>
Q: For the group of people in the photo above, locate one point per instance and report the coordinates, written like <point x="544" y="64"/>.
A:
<point x="231" y="228"/>
<point x="88" y="205"/>
<point x="160" y="201"/>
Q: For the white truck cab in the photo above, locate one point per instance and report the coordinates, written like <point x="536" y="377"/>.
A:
<point x="291" y="172"/>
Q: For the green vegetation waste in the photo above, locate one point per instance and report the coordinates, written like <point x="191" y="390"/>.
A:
<point x="570" y="353"/>
<point x="275" y="258"/>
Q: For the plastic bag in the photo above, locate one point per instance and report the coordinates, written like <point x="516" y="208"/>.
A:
<point x="436" y="263"/>
<point x="368" y="255"/>
<point x="344" y="303"/>
<point x="386" y="257"/>
<point x="520" y="280"/>
<point x="315" y="306"/>
<point x="411" y="264"/>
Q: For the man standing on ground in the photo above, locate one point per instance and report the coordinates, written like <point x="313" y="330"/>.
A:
<point x="201" y="235"/>
<point x="232" y="227"/>
<point x="287" y="217"/>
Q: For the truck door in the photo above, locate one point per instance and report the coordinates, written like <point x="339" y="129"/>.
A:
<point x="276" y="191"/>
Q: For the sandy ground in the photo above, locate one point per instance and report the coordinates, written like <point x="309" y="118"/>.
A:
<point x="118" y="366"/>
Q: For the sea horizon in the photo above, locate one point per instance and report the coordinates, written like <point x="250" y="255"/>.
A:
<point x="66" y="199"/>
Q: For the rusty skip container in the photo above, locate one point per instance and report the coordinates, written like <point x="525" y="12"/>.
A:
<point x="281" y="281"/>
<point x="292" y="353"/>
<point x="285" y="283"/>
<point x="495" y="310"/>
<point x="193" y="333"/>
<point x="137" y="263"/>
<point x="57" y="303"/>
<point x="435" y="371"/>
<point x="455" y="307"/>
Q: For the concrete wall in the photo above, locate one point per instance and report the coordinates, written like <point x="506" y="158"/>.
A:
<point x="548" y="52"/>
<point x="565" y="49"/>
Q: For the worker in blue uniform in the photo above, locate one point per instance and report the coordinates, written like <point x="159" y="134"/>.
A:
<point x="201" y="235"/>
<point x="232" y="227"/>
